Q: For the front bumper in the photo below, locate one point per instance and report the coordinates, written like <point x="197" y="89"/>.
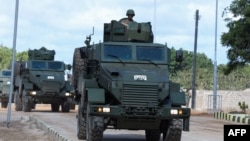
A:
<point x="143" y="118"/>
<point x="162" y="113"/>
<point x="4" y="95"/>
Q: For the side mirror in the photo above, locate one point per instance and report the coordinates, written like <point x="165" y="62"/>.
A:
<point x="68" y="67"/>
<point x="179" y="56"/>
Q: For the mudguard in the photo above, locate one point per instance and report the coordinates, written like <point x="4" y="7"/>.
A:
<point x="96" y="95"/>
<point x="178" y="98"/>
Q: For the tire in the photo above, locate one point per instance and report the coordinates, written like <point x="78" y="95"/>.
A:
<point x="18" y="101"/>
<point x="55" y="107"/>
<point x="174" y="131"/>
<point x="153" y="135"/>
<point x="78" y="66"/>
<point x="65" y="107"/>
<point x="27" y="105"/>
<point x="72" y="106"/>
<point x="81" y="123"/>
<point x="94" y="127"/>
<point x="4" y="104"/>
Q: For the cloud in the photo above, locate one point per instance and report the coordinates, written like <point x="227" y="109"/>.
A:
<point x="63" y="25"/>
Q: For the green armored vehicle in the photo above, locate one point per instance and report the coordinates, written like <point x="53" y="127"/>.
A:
<point x="123" y="83"/>
<point x="5" y="79"/>
<point x="41" y="80"/>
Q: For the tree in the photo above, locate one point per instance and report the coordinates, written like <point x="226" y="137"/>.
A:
<point x="6" y="56"/>
<point x="237" y="39"/>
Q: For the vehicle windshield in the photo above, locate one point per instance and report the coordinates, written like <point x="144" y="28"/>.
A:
<point x="55" y="65"/>
<point x="150" y="53"/>
<point x="6" y="73"/>
<point x="118" y="52"/>
<point x="47" y="65"/>
<point x="38" y="65"/>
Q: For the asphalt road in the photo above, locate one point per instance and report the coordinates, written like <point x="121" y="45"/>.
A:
<point x="203" y="127"/>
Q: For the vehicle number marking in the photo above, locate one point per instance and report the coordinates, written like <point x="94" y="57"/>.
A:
<point x="50" y="77"/>
<point x="140" y="77"/>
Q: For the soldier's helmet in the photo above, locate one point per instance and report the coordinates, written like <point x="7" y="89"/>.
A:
<point x="130" y="12"/>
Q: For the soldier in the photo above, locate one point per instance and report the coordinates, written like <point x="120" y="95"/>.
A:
<point x="130" y="13"/>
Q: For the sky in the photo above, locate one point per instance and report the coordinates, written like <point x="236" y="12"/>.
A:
<point x="62" y="25"/>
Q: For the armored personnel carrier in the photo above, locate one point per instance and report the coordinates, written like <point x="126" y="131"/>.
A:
<point x="5" y="79"/>
<point x="123" y="83"/>
<point x="40" y="80"/>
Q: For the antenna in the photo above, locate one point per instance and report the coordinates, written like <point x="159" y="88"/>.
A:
<point x="155" y="16"/>
<point x="88" y="38"/>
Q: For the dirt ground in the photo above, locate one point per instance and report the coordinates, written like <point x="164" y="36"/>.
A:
<point x="20" y="129"/>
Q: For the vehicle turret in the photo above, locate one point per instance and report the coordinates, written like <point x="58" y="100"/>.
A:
<point x="134" y="32"/>
<point x="41" y="54"/>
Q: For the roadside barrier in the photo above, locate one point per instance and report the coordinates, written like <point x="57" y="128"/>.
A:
<point x="56" y="136"/>
<point x="240" y="118"/>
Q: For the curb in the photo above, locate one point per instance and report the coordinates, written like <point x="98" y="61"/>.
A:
<point x="232" y="117"/>
<point x="56" y="136"/>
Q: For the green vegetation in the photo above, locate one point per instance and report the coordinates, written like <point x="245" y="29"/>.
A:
<point x="235" y="75"/>
<point x="237" y="39"/>
<point x="238" y="79"/>
<point x="243" y="106"/>
<point x="6" y="55"/>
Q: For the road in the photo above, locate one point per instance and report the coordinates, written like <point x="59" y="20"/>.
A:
<point x="203" y="127"/>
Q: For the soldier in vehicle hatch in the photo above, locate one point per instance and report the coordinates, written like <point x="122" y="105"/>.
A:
<point x="130" y="13"/>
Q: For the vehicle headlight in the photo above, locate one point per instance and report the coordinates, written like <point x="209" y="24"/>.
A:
<point x="106" y="109"/>
<point x="67" y="94"/>
<point x="103" y="110"/>
<point x="32" y="92"/>
<point x="8" y="82"/>
<point x="176" y="112"/>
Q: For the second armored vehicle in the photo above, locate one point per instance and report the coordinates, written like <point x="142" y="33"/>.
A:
<point x="5" y="79"/>
<point x="41" y="80"/>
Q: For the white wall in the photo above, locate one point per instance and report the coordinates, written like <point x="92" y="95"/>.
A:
<point x="227" y="101"/>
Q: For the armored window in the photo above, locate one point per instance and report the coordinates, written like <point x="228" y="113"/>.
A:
<point x="6" y="73"/>
<point x="123" y="52"/>
<point x="150" y="53"/>
<point x="55" y="65"/>
<point x="38" y="65"/>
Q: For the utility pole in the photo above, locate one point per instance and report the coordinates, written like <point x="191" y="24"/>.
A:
<point x="194" y="62"/>
<point x="215" y="62"/>
<point x="13" y="62"/>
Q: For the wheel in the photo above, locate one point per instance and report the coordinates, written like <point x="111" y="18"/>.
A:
<point x="4" y="104"/>
<point x="65" y="107"/>
<point x="17" y="101"/>
<point x="27" y="105"/>
<point x="94" y="126"/>
<point x="174" y="131"/>
<point x="78" y="65"/>
<point x="81" y="122"/>
<point x="72" y="106"/>
<point x="153" y="135"/>
<point x="55" y="107"/>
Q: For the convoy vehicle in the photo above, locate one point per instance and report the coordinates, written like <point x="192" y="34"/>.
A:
<point x="41" y="80"/>
<point x="5" y="79"/>
<point x="124" y="83"/>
